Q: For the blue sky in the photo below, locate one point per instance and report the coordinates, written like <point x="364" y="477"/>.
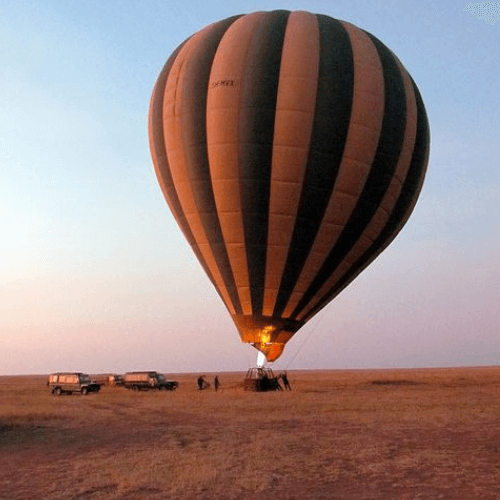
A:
<point x="95" y="275"/>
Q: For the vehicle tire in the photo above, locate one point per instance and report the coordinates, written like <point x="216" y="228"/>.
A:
<point x="135" y="388"/>
<point x="84" y="391"/>
<point x="162" y="388"/>
<point x="57" y="391"/>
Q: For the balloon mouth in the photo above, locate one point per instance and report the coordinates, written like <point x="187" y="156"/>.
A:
<point x="272" y="351"/>
<point x="268" y="335"/>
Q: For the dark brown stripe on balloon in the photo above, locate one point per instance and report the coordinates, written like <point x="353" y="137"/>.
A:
<point x="383" y="167"/>
<point x="256" y="145"/>
<point x="331" y="124"/>
<point x="402" y="210"/>
<point x="420" y="156"/>
<point x="198" y="163"/>
<point x="195" y="147"/>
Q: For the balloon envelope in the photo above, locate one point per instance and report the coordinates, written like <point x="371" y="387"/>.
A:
<point x="291" y="148"/>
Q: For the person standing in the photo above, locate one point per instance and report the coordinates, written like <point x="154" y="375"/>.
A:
<point x="286" y="383"/>
<point x="216" y="383"/>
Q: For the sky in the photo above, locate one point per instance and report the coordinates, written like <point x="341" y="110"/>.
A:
<point x="95" y="275"/>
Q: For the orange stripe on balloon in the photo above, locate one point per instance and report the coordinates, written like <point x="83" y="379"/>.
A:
<point x="295" y="107"/>
<point x="174" y="123"/>
<point x="224" y="101"/>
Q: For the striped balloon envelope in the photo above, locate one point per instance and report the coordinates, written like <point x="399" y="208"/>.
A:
<point x="291" y="148"/>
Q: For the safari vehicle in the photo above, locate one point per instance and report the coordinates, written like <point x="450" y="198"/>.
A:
<point x="148" y="381"/>
<point x="108" y="379"/>
<point x="261" y="380"/>
<point x="68" y="383"/>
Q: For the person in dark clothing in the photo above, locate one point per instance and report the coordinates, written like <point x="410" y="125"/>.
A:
<point x="201" y="382"/>
<point x="286" y="383"/>
<point x="216" y="383"/>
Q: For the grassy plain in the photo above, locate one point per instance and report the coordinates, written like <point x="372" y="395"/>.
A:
<point x="381" y="434"/>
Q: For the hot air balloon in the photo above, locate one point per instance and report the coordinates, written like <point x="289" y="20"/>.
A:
<point x="291" y="148"/>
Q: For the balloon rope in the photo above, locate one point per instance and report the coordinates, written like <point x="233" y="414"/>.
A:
<point x="307" y="338"/>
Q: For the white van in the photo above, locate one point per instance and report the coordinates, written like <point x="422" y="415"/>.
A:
<point x="60" y="383"/>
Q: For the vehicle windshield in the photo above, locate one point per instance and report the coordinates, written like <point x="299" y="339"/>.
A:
<point x="84" y="378"/>
<point x="160" y="377"/>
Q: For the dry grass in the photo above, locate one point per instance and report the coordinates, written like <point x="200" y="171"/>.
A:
<point x="383" y="434"/>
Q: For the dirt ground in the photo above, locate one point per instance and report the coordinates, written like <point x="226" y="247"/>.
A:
<point x="367" y="434"/>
